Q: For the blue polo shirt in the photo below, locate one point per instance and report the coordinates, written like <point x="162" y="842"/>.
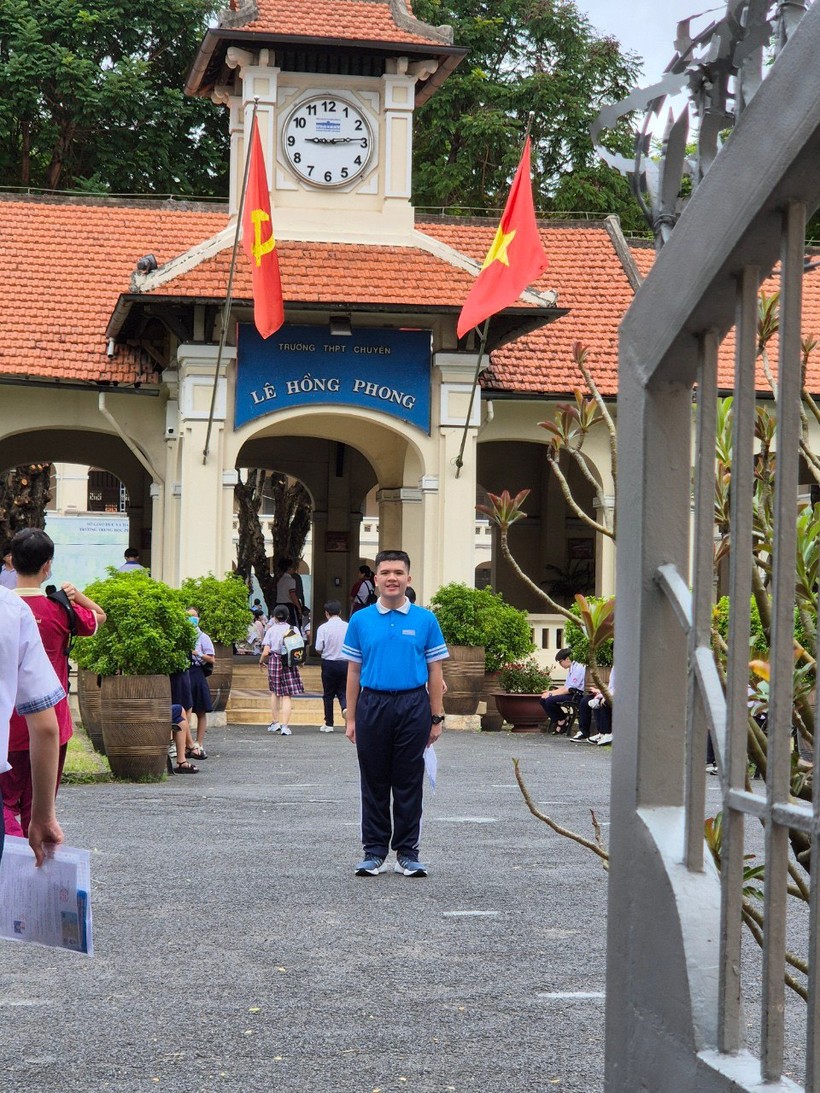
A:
<point x="394" y="647"/>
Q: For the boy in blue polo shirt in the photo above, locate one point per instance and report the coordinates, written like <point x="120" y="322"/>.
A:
<point x="394" y="712"/>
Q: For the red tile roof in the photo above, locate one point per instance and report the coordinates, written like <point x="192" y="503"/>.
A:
<point x="70" y="261"/>
<point x="65" y="264"/>
<point x="346" y="274"/>
<point x="348" y="20"/>
<point x="810" y="326"/>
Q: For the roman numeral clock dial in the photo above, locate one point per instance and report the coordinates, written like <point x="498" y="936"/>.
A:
<point x="327" y="141"/>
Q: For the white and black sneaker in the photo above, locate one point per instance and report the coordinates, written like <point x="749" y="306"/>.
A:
<point x="370" y="867"/>
<point x="409" y="867"/>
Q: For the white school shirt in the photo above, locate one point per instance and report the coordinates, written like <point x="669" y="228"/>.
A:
<point x="330" y="637"/>
<point x="576" y="676"/>
<point x="28" y="683"/>
<point x="274" y="635"/>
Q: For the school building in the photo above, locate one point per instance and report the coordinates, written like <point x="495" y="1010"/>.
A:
<point x="116" y="352"/>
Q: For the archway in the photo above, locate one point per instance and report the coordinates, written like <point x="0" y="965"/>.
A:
<point x="87" y="537"/>
<point x="339" y="475"/>
<point x="552" y="545"/>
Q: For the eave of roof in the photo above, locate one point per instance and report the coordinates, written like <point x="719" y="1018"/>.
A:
<point x="421" y="275"/>
<point x="209" y="61"/>
<point x="381" y="28"/>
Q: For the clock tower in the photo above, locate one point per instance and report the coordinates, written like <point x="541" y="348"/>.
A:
<point x="334" y="84"/>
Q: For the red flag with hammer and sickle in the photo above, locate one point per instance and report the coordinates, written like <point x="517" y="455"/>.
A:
<point x="260" y="245"/>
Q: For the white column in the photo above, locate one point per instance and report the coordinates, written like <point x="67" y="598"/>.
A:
<point x="455" y="542"/>
<point x="604" y="549"/>
<point x="259" y="81"/>
<point x="204" y="489"/>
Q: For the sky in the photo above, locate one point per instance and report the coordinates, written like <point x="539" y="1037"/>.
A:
<point x="647" y="27"/>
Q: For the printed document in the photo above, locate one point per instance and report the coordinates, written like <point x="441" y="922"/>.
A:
<point x="50" y="905"/>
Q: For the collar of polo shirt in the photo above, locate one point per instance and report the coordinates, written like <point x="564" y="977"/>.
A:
<point x="404" y="609"/>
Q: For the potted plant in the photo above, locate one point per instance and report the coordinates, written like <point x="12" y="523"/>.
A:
<point x="146" y="636"/>
<point x="224" y="616"/>
<point x="519" y="701"/>
<point x="482" y="633"/>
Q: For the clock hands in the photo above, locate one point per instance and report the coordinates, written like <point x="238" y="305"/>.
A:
<point x="337" y="140"/>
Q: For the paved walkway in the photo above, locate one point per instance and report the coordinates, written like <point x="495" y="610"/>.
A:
<point x="236" y="951"/>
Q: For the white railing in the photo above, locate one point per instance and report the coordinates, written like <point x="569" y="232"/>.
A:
<point x="548" y="638"/>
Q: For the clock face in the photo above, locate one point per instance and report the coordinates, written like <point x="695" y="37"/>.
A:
<point x="327" y="141"/>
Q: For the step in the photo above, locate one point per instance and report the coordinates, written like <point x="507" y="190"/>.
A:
<point x="249" y="700"/>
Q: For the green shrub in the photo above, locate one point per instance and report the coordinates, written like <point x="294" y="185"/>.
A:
<point x="222" y="606"/>
<point x="525" y="678"/>
<point x="146" y="632"/>
<point x="576" y="641"/>
<point x="758" y="642"/>
<point x="479" y="616"/>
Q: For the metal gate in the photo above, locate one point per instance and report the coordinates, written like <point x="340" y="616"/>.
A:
<point x="674" y="992"/>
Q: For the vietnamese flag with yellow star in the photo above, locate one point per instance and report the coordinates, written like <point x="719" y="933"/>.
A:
<point x="259" y="243"/>
<point x="515" y="259"/>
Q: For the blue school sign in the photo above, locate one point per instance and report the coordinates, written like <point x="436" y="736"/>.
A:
<point x="383" y="370"/>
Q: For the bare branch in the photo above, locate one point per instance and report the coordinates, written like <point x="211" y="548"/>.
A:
<point x="558" y="608"/>
<point x="596" y="849"/>
<point x="570" y="500"/>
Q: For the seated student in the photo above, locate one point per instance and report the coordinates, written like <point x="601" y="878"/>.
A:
<point x="557" y="700"/>
<point x="180" y="730"/>
<point x="603" y="714"/>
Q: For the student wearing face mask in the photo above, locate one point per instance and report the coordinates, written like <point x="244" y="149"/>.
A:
<point x="32" y="552"/>
<point x="201" y="705"/>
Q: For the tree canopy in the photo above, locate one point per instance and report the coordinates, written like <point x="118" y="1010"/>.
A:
<point x="525" y="55"/>
<point x="92" y="98"/>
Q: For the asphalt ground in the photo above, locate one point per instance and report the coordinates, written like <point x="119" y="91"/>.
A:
<point x="237" y="952"/>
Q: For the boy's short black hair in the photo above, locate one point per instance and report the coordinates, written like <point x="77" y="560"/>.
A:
<point x="333" y="607"/>
<point x="131" y="554"/>
<point x="392" y="556"/>
<point x="281" y="613"/>
<point x="563" y="654"/>
<point x="31" y="548"/>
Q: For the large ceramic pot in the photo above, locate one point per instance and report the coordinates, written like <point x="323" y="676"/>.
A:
<point x="491" y="719"/>
<point x="464" y="676"/>
<point x="88" y="699"/>
<point x="136" y="723"/>
<point x="219" y="681"/>
<point x="524" y="712"/>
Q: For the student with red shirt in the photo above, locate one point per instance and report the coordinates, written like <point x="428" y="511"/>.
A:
<point x="32" y="552"/>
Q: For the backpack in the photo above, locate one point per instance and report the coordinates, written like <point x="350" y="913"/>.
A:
<point x="294" y="653"/>
<point x="58" y="596"/>
<point x="370" y="596"/>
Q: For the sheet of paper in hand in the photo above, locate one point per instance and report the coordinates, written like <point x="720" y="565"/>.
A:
<point x="50" y="905"/>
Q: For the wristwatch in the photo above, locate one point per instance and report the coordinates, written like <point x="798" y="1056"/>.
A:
<point x="437" y="718"/>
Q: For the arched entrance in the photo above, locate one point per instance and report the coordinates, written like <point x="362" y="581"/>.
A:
<point x="86" y="540"/>
<point x="316" y="449"/>
<point x="553" y="545"/>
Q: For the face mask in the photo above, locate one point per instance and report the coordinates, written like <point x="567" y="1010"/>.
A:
<point x="193" y="620"/>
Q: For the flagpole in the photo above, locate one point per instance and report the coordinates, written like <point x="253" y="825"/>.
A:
<point x="228" y="294"/>
<point x="481" y="347"/>
<point x="459" y="461"/>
